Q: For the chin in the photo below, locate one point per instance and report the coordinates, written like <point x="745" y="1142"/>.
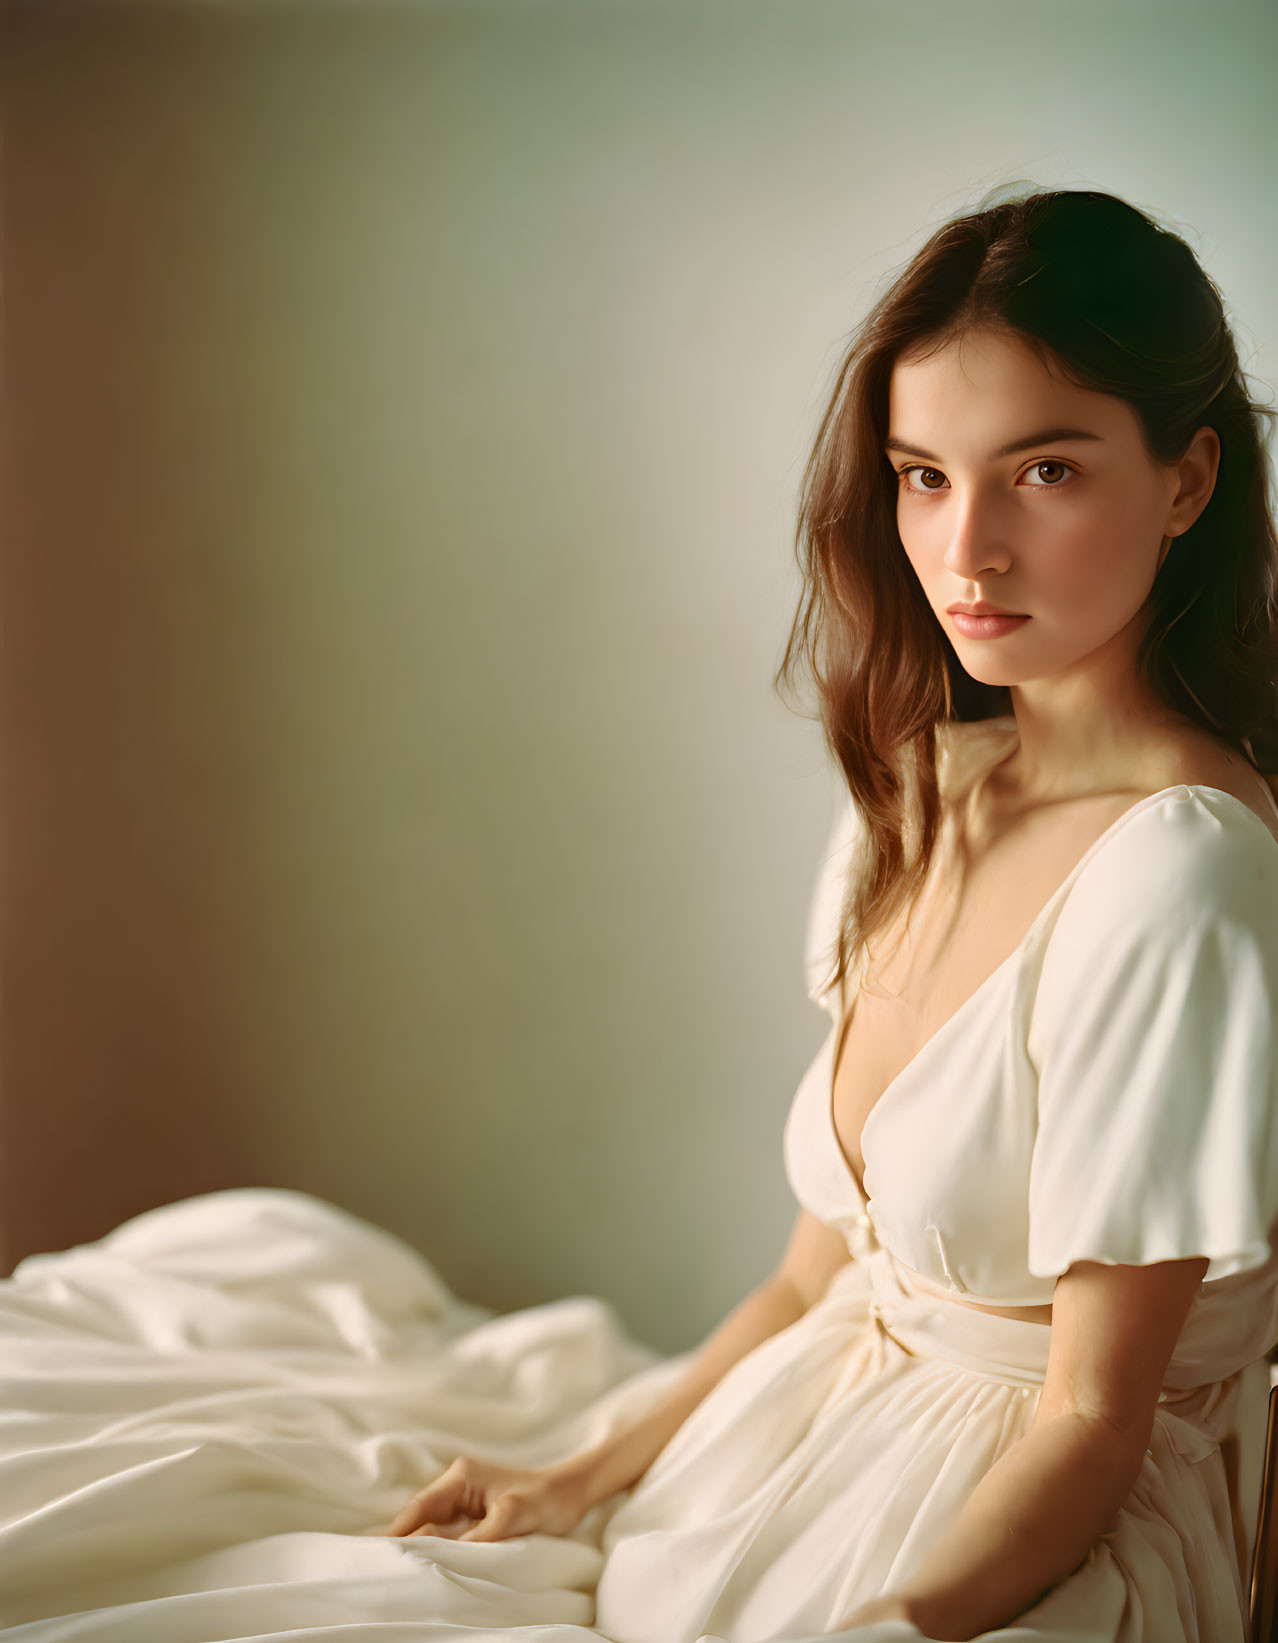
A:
<point x="993" y="675"/>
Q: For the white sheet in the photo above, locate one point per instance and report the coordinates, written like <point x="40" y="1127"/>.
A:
<point x="210" y="1417"/>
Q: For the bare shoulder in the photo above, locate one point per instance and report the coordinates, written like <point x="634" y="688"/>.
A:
<point x="973" y="754"/>
<point x="969" y="754"/>
<point x="1201" y="761"/>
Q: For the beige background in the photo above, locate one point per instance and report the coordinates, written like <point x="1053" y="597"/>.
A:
<point x="404" y="413"/>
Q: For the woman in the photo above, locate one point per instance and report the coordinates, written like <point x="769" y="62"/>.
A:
<point x="1036" y="1158"/>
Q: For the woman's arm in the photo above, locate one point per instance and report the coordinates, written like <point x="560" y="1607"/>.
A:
<point x="813" y="1255"/>
<point x="1033" y="1517"/>
<point x="622" y="1458"/>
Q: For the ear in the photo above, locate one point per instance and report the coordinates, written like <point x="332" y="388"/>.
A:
<point x="1196" y="472"/>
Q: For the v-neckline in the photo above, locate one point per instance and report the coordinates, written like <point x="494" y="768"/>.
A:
<point x="842" y="1023"/>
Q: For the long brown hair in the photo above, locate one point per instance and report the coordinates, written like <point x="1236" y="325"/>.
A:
<point x="1119" y="304"/>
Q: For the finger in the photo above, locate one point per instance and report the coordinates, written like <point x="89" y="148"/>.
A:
<point x="435" y="1504"/>
<point x="405" y="1520"/>
<point x="502" y="1520"/>
<point x="445" y="1531"/>
<point x="408" y="1519"/>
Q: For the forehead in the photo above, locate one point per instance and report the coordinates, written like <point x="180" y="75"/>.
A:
<point x="984" y="387"/>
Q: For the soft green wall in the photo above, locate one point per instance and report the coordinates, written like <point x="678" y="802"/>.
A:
<point x="404" y="415"/>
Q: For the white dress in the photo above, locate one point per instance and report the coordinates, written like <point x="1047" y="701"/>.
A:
<point x="209" y="1417"/>
<point x="1110" y="1093"/>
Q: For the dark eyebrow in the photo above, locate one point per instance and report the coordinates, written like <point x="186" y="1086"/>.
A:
<point x="1048" y="436"/>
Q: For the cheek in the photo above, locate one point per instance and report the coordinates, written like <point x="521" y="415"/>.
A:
<point x="924" y="548"/>
<point x="1074" y="572"/>
<point x="1092" y="569"/>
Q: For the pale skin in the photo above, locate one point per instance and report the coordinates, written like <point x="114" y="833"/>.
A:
<point x="1068" y="531"/>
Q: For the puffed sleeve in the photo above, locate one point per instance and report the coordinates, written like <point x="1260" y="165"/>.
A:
<point x="1153" y="1034"/>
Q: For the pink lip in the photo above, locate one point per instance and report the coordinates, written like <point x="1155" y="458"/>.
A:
<point x="986" y="627"/>
<point x="981" y="608"/>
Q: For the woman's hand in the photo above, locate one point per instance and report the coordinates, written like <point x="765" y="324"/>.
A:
<point x="477" y="1500"/>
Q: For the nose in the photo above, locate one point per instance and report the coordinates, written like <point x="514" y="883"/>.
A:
<point x="976" y="549"/>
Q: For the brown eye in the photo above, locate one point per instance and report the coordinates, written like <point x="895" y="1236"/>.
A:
<point x="915" y="469"/>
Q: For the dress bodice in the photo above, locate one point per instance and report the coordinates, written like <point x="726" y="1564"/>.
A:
<point x="1110" y="1092"/>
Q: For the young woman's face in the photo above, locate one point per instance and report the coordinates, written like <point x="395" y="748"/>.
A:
<point x="1018" y="489"/>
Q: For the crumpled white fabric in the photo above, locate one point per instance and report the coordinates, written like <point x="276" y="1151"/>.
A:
<point x="206" y="1417"/>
